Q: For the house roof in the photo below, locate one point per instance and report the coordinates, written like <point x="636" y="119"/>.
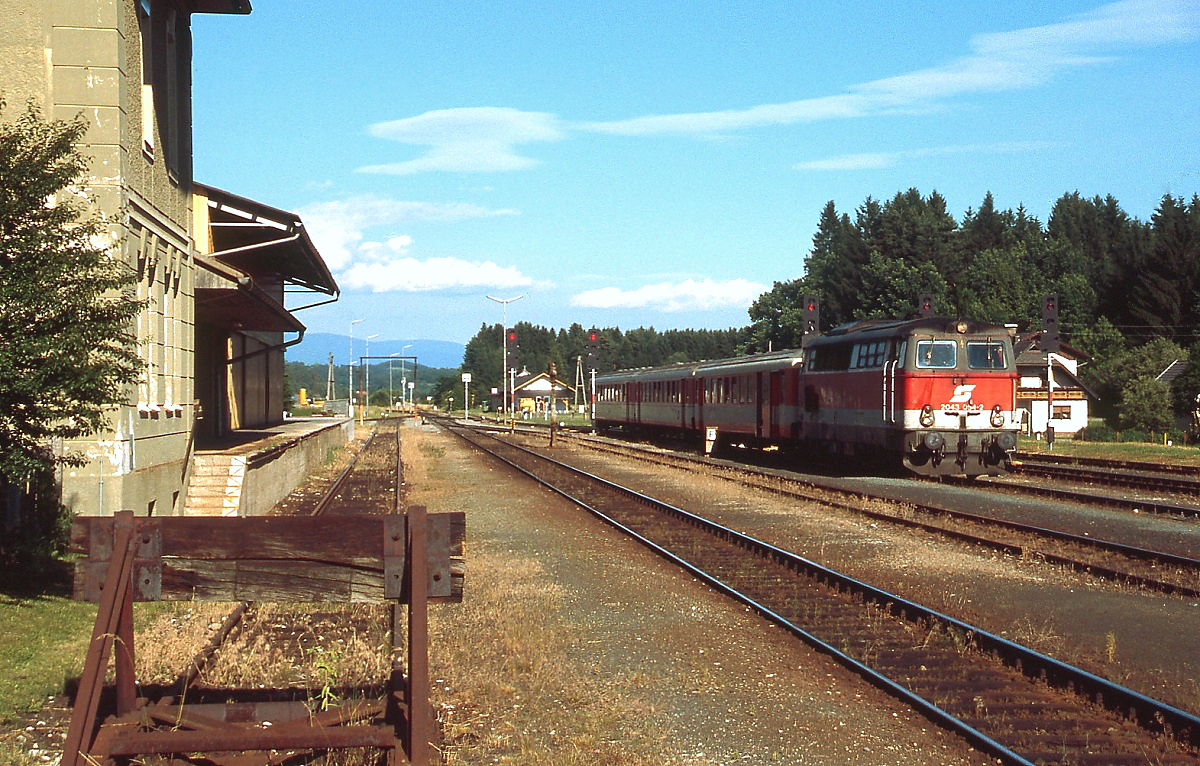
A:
<point x="542" y="379"/>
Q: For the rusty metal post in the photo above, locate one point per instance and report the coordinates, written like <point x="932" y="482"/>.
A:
<point x="117" y="592"/>
<point x="420" y="725"/>
<point x="123" y="649"/>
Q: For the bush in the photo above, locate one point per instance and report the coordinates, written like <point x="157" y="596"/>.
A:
<point x="1146" y="405"/>
<point x="1100" y="432"/>
<point x="1134" y="435"/>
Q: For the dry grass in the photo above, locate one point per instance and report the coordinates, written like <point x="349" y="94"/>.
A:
<point x="506" y="690"/>
<point x="320" y="647"/>
<point x="507" y="687"/>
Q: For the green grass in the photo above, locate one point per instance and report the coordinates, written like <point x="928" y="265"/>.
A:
<point x="1138" y="451"/>
<point x="43" y="638"/>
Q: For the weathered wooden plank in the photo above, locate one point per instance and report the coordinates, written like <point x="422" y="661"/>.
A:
<point x="257" y="580"/>
<point x="338" y="558"/>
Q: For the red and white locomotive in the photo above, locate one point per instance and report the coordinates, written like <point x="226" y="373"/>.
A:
<point x="937" y="394"/>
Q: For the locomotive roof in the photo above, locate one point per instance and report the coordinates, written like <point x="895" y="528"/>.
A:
<point x="890" y="327"/>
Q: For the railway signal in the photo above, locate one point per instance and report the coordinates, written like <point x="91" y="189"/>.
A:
<point x="925" y="306"/>
<point x="593" y="347"/>
<point x="1051" y="341"/>
<point x="511" y="349"/>
<point x="812" y="319"/>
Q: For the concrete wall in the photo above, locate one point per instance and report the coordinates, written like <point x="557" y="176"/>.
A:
<point x="271" y="478"/>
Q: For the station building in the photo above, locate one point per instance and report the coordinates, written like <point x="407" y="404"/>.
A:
<point x="1066" y="406"/>
<point x="541" y="394"/>
<point x="213" y="267"/>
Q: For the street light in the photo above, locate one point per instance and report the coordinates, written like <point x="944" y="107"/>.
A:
<point x="504" y="341"/>
<point x="404" y="376"/>
<point x="367" y="393"/>
<point x="391" y="390"/>
<point x="350" y="373"/>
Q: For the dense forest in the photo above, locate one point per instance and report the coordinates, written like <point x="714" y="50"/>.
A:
<point x="538" y="346"/>
<point x="1129" y="291"/>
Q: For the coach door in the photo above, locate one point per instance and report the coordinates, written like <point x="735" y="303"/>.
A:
<point x="690" y="418"/>
<point x="633" y="402"/>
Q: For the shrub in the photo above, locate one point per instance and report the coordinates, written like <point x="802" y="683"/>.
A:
<point x="1099" y="432"/>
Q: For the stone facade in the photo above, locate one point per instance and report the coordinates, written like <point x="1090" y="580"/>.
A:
<point x="126" y="66"/>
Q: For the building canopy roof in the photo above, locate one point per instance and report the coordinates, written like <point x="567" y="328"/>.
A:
<point x="220" y="6"/>
<point x="260" y="240"/>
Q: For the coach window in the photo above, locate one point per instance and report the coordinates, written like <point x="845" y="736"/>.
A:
<point x="987" y="355"/>
<point x="937" y="354"/>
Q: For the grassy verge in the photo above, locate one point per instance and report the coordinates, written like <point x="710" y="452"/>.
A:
<point x="1138" y="451"/>
<point x="43" y="637"/>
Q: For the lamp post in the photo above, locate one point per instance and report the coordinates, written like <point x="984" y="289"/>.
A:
<point x="391" y="390"/>
<point x="404" y="377"/>
<point x="350" y="372"/>
<point x="367" y="393"/>
<point x="504" y="346"/>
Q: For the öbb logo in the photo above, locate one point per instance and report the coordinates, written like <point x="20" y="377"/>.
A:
<point x="961" y="400"/>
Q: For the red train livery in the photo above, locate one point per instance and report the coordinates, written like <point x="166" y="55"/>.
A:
<point x="936" y="395"/>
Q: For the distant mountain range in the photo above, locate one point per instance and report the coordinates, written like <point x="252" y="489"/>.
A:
<point x="317" y="346"/>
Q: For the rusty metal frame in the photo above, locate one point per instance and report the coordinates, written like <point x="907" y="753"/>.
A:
<point x="128" y="560"/>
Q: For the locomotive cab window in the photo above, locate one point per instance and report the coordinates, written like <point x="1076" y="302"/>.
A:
<point x="987" y="355"/>
<point x="937" y="354"/>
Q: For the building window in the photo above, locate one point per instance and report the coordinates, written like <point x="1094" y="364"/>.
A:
<point x="145" y="29"/>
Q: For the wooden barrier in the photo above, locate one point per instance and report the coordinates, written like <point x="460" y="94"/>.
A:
<point x="289" y="559"/>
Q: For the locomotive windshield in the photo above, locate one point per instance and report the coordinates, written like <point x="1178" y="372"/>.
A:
<point x="987" y="355"/>
<point x="937" y="354"/>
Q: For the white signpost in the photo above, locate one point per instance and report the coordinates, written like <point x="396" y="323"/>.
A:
<point x="466" y="379"/>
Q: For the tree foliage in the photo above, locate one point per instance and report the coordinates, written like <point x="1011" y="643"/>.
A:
<point x="66" y="348"/>
<point x="538" y="346"/>
<point x="1121" y="282"/>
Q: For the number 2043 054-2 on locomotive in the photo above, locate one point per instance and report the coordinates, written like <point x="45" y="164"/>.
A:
<point x="936" y="395"/>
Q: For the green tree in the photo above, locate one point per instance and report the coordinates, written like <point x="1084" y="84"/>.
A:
<point x="66" y="348"/>
<point x="1146" y="405"/>
<point x="777" y="317"/>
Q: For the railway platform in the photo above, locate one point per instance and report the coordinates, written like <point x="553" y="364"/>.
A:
<point x="247" y="472"/>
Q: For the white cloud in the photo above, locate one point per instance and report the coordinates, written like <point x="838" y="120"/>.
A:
<point x="435" y="274"/>
<point x="877" y="160"/>
<point x="999" y="61"/>
<point x="470" y="140"/>
<point x="674" y="296"/>
<point x="336" y="228"/>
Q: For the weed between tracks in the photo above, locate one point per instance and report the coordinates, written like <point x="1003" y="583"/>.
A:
<point x="506" y="690"/>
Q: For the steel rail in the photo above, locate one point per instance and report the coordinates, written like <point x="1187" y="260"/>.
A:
<point x="1100" y="462"/>
<point x="1141" y="505"/>
<point x="1150" y="714"/>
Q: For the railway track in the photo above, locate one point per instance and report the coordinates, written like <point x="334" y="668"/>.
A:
<point x="369" y="484"/>
<point x="1132" y="565"/>
<point x="1009" y="701"/>
<point x="1159" y="483"/>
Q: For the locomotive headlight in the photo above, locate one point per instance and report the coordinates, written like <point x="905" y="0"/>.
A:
<point x="927" y="415"/>
<point x="1006" y="441"/>
<point x="933" y="440"/>
<point x="997" y="416"/>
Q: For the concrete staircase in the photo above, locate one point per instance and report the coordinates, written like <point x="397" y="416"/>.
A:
<point x="215" y="488"/>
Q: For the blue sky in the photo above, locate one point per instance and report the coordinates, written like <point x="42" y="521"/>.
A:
<point x="657" y="163"/>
